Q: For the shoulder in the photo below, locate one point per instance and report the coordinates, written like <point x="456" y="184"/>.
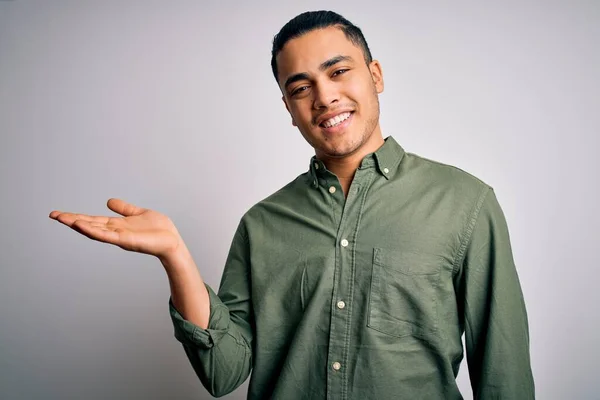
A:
<point x="290" y="196"/>
<point x="436" y="175"/>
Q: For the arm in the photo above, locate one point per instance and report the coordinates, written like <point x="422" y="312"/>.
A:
<point x="217" y="334"/>
<point x="215" y="330"/>
<point x="496" y="327"/>
<point x="188" y="291"/>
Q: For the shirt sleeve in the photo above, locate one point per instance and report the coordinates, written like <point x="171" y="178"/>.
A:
<point x="496" y="327"/>
<point x="221" y="355"/>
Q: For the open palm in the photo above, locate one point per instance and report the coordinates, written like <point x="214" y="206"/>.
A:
<point x="140" y="229"/>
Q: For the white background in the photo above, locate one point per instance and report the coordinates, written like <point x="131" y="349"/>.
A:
<point x="171" y="105"/>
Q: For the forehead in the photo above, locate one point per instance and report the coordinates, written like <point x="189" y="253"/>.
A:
<point x="307" y="52"/>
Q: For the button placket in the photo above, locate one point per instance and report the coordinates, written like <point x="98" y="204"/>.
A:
<point x="341" y="314"/>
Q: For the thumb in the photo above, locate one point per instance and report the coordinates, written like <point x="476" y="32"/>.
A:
<point x="122" y="207"/>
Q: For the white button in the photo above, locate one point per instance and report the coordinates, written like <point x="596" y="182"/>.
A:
<point x="344" y="243"/>
<point x="336" y="365"/>
<point x="332" y="189"/>
<point x="341" y="304"/>
<point x="316" y="165"/>
<point x="385" y="170"/>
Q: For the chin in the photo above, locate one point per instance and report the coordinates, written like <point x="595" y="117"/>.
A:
<point x="341" y="150"/>
<point x="340" y="145"/>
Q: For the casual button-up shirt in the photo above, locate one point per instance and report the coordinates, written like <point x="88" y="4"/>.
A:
<point x="367" y="297"/>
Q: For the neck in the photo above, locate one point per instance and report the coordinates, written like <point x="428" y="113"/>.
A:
<point x="345" y="167"/>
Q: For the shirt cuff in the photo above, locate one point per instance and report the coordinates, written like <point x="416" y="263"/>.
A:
<point x="192" y="335"/>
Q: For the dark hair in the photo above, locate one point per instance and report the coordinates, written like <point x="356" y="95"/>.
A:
<point x="311" y="20"/>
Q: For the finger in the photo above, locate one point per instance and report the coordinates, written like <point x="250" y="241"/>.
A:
<point x="122" y="207"/>
<point x="98" y="233"/>
<point x="69" y="218"/>
<point x="54" y="214"/>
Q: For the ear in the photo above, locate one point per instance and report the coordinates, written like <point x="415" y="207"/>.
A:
<point x="377" y="75"/>
<point x="288" y="110"/>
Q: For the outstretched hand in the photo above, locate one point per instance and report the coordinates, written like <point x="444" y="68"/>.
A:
<point x="139" y="229"/>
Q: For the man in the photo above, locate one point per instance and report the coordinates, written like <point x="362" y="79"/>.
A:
<point x="358" y="278"/>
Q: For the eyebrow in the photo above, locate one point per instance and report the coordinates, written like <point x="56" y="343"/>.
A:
<point x="324" y="65"/>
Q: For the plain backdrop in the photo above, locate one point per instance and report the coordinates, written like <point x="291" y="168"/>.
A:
<point x="171" y="105"/>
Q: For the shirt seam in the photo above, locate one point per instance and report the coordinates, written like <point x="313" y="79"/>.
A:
<point x="470" y="227"/>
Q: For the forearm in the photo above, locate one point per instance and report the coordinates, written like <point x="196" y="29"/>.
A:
<point x="222" y="355"/>
<point x="188" y="292"/>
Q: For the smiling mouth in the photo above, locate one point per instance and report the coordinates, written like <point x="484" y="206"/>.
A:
<point x="335" y="121"/>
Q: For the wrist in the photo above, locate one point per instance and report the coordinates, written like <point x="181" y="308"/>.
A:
<point x="177" y="258"/>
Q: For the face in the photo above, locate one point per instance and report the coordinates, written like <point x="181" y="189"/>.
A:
<point x="331" y="93"/>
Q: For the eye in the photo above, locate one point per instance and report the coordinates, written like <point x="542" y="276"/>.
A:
<point x="299" y="90"/>
<point x="340" y="71"/>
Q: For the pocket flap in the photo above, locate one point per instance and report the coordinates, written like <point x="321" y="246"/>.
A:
<point x="408" y="262"/>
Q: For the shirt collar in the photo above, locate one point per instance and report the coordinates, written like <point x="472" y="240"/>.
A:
<point x="386" y="160"/>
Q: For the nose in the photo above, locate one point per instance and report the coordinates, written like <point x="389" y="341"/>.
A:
<point x="325" y="94"/>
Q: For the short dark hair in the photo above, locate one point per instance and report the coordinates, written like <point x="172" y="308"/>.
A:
<point x="312" y="20"/>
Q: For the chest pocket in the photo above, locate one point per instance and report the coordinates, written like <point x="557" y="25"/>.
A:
<point x="402" y="298"/>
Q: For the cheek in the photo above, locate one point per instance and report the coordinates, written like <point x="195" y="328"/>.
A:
<point x="302" y="114"/>
<point x="359" y="91"/>
<point x="367" y="95"/>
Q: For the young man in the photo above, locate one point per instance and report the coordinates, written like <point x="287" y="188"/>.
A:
<point x="358" y="278"/>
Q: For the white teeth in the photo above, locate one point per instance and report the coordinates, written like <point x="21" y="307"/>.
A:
<point x="336" y="120"/>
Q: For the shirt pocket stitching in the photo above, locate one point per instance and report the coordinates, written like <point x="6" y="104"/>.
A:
<point x="405" y="290"/>
<point x="392" y="259"/>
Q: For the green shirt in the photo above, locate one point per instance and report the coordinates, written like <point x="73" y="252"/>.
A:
<point x="367" y="297"/>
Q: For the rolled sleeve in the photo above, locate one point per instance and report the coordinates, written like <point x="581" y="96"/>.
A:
<point x="221" y="354"/>
<point x="191" y="334"/>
